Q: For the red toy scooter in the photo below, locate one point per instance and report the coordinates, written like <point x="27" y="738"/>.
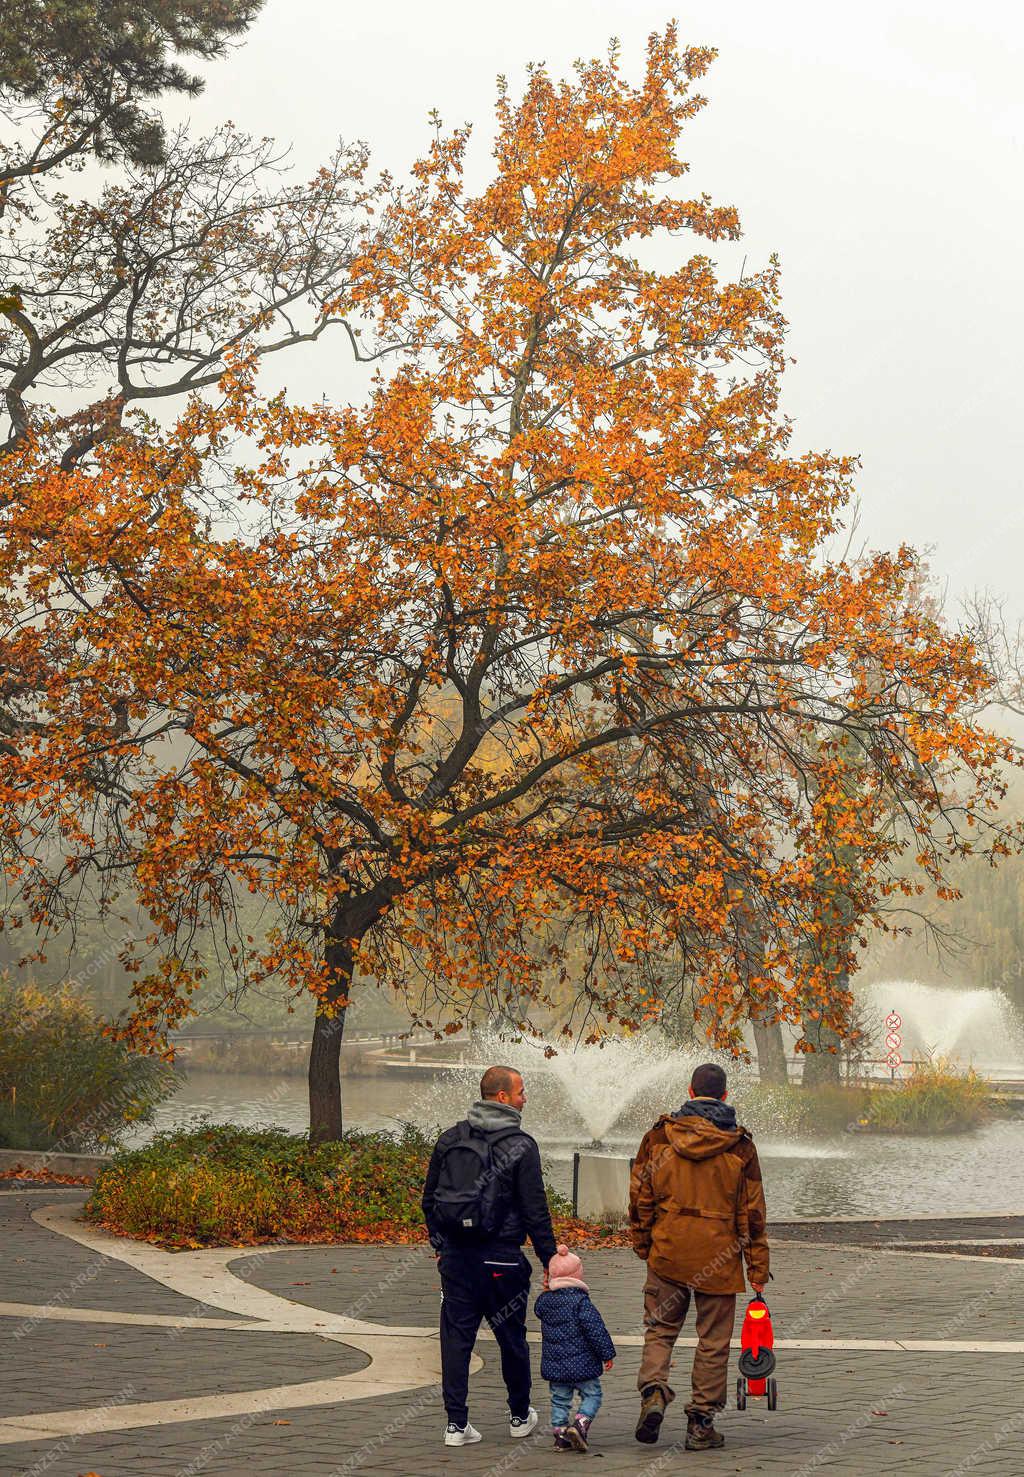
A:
<point x="756" y="1361"/>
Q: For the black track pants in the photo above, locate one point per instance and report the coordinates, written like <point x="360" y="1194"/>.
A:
<point x="478" y="1284"/>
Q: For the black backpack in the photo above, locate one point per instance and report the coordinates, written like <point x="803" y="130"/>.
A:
<point x="472" y="1188"/>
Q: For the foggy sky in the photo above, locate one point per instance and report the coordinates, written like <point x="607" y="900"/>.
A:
<point x="877" y="148"/>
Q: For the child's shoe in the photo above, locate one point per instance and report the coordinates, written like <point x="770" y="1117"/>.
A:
<point x="701" y="1434"/>
<point x="576" y="1433"/>
<point x="460" y="1435"/>
<point x="562" y="1442"/>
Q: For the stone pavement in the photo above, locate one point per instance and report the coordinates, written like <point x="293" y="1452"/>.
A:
<point x="322" y="1360"/>
<point x="990" y="1229"/>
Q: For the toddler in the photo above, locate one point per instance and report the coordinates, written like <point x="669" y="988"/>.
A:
<point x="575" y="1346"/>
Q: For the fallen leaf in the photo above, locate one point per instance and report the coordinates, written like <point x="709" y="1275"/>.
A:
<point x="281" y="1423"/>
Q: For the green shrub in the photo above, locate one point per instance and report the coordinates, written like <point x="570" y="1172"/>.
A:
<point x="215" y="1184"/>
<point x="20" y="1129"/>
<point x="63" y="1083"/>
<point x="937" y="1098"/>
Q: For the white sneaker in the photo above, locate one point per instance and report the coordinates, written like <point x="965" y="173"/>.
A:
<point x="465" y="1435"/>
<point x="522" y="1425"/>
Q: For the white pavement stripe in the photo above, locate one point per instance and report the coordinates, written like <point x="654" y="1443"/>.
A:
<point x="40" y="1312"/>
<point x="854" y="1346"/>
<point x="362" y="1385"/>
<point x="1008" y="1241"/>
<point x="323" y="1326"/>
<point x="29" y="1312"/>
<point x="897" y="1250"/>
<point x="398" y="1365"/>
<point x="893" y="1219"/>
<point x="204" y="1277"/>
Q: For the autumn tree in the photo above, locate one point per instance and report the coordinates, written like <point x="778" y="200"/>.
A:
<point x="541" y="641"/>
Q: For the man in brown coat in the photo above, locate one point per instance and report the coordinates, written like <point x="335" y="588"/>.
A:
<point x="696" y="1208"/>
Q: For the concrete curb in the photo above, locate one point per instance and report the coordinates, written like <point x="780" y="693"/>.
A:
<point x="54" y="1162"/>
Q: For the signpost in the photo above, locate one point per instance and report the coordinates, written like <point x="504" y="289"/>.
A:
<point x="893" y="1041"/>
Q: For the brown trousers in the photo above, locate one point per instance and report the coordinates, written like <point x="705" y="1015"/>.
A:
<point x="666" y="1305"/>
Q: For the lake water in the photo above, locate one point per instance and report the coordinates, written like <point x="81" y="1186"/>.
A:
<point x="849" y="1174"/>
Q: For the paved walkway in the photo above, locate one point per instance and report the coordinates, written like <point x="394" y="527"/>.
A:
<point x="1005" y="1232"/>
<point x="123" y="1360"/>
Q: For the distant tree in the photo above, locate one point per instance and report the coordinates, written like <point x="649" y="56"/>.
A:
<point x="80" y="74"/>
<point x="541" y="643"/>
<point x="839" y="877"/>
<point x="139" y="294"/>
<point x="119" y="290"/>
<point x="124" y="289"/>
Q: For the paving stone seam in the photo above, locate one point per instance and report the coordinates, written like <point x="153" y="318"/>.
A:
<point x="626" y="1340"/>
<point x="883" y="1250"/>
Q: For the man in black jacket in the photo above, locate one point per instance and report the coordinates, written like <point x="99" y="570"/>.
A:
<point x="486" y="1275"/>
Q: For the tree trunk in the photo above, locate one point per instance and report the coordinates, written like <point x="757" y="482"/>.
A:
<point x="325" y="1121"/>
<point x="768" y="1039"/>
<point x="821" y="1065"/>
<point x="771" y="1050"/>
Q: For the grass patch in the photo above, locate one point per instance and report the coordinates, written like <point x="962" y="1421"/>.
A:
<point x="218" y="1185"/>
<point x="937" y="1098"/>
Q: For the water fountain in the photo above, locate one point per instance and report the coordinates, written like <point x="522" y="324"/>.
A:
<point x="602" y="1082"/>
<point x="632" y="1078"/>
<point x="974" y="1027"/>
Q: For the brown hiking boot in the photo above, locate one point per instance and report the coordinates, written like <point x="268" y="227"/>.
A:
<point x="701" y="1434"/>
<point x="652" y="1413"/>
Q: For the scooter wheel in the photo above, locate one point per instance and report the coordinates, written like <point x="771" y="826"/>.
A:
<point x="756" y="1366"/>
<point x="773" y="1395"/>
<point x="741" y="1393"/>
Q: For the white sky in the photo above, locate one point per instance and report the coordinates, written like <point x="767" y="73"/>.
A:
<point x="877" y="148"/>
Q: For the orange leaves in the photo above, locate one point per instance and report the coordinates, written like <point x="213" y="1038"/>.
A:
<point x="530" y="673"/>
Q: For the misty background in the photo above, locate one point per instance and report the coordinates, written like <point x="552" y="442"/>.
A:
<point x="877" y="149"/>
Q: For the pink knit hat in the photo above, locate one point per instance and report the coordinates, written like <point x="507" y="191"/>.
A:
<point x="565" y="1270"/>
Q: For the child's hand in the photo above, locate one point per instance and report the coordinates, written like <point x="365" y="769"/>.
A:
<point x="608" y="1364"/>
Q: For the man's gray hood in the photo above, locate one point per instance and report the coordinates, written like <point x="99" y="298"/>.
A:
<point x="722" y="1115"/>
<point x="488" y="1115"/>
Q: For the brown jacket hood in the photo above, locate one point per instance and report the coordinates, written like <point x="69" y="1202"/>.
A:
<point x="699" y="1138"/>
